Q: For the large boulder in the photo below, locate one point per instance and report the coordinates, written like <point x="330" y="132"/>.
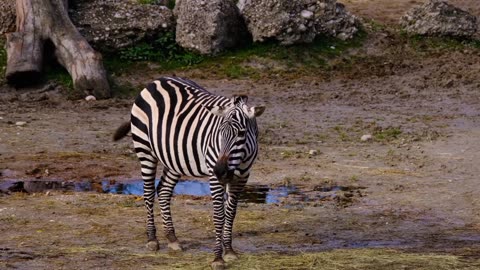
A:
<point x="209" y="26"/>
<point x="439" y="18"/>
<point x="300" y="21"/>
<point x="7" y="16"/>
<point x="110" y="24"/>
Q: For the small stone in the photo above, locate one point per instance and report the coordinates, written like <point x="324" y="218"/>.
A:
<point x="342" y="36"/>
<point x="366" y="137"/>
<point x="449" y="84"/>
<point x="90" y="98"/>
<point x="307" y="14"/>
<point x="313" y="152"/>
<point x="20" y="123"/>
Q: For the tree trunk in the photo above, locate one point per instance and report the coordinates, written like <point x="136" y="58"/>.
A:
<point x="39" y="21"/>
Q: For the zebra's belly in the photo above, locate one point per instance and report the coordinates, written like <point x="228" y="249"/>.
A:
<point x="186" y="165"/>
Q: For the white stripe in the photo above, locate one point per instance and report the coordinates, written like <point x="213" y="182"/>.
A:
<point x="154" y="129"/>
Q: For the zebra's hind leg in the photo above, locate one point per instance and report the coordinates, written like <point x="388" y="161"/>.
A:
<point x="149" y="168"/>
<point x="234" y="189"/>
<point x="165" y="191"/>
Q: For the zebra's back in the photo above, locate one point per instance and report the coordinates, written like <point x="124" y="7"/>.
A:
<point x="170" y="121"/>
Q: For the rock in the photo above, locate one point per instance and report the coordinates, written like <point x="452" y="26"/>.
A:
<point x="20" y="123"/>
<point x="90" y="98"/>
<point x="291" y="22"/>
<point x="209" y="27"/>
<point x="7" y="16"/>
<point x="109" y="25"/>
<point x="366" y="137"/>
<point x="439" y="18"/>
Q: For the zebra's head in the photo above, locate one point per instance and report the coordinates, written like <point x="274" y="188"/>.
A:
<point x="237" y="137"/>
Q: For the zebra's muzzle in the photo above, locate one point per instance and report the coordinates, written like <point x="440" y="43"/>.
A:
<point x="222" y="172"/>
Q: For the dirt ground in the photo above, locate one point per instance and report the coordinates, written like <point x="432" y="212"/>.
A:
<point x="412" y="198"/>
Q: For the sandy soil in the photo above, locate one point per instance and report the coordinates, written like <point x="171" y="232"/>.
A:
<point x="417" y="178"/>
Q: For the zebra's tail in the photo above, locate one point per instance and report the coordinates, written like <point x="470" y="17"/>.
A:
<point x="122" y="131"/>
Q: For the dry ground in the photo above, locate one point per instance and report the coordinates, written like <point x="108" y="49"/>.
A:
<point x="418" y="209"/>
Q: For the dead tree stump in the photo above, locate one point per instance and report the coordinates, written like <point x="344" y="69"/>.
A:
<point x="39" y="21"/>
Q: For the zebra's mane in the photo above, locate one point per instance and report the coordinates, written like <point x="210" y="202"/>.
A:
<point x="191" y="84"/>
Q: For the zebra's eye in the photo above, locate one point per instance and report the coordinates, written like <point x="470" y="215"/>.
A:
<point x="241" y="133"/>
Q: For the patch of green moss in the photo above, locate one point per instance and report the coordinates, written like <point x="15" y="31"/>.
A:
<point x="387" y="134"/>
<point x="170" y="3"/>
<point x="433" y="44"/>
<point x="299" y="58"/>
<point x="252" y="60"/>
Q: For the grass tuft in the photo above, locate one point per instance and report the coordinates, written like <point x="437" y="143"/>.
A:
<point x="350" y="259"/>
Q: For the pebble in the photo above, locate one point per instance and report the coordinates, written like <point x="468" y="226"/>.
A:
<point x="366" y="137"/>
<point x="90" y="97"/>
<point x="307" y="14"/>
<point x="20" y="123"/>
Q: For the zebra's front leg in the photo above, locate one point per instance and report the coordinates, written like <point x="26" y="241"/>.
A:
<point x="234" y="190"/>
<point x="218" y="192"/>
<point x="165" y="191"/>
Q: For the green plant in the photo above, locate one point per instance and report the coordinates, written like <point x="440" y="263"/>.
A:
<point x="171" y="4"/>
<point x="342" y="133"/>
<point x="388" y="134"/>
<point x="432" y="44"/>
<point x="165" y="50"/>
<point x="58" y="74"/>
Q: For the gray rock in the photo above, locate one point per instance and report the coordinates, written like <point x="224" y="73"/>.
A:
<point x="291" y="22"/>
<point x="109" y="24"/>
<point x="209" y="27"/>
<point x="7" y="16"/>
<point x="438" y="18"/>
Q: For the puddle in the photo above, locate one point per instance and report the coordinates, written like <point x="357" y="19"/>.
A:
<point x="252" y="194"/>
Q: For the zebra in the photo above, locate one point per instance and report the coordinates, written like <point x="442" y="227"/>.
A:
<point x="193" y="132"/>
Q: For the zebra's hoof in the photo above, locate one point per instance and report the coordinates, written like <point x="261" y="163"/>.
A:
<point x="153" y="245"/>
<point x="175" y="246"/>
<point x="230" y="256"/>
<point x="218" y="264"/>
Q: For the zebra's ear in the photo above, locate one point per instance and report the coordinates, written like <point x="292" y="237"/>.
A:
<point x="256" y="111"/>
<point x="217" y="110"/>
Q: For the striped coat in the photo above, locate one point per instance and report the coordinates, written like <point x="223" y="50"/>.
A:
<point x="193" y="132"/>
